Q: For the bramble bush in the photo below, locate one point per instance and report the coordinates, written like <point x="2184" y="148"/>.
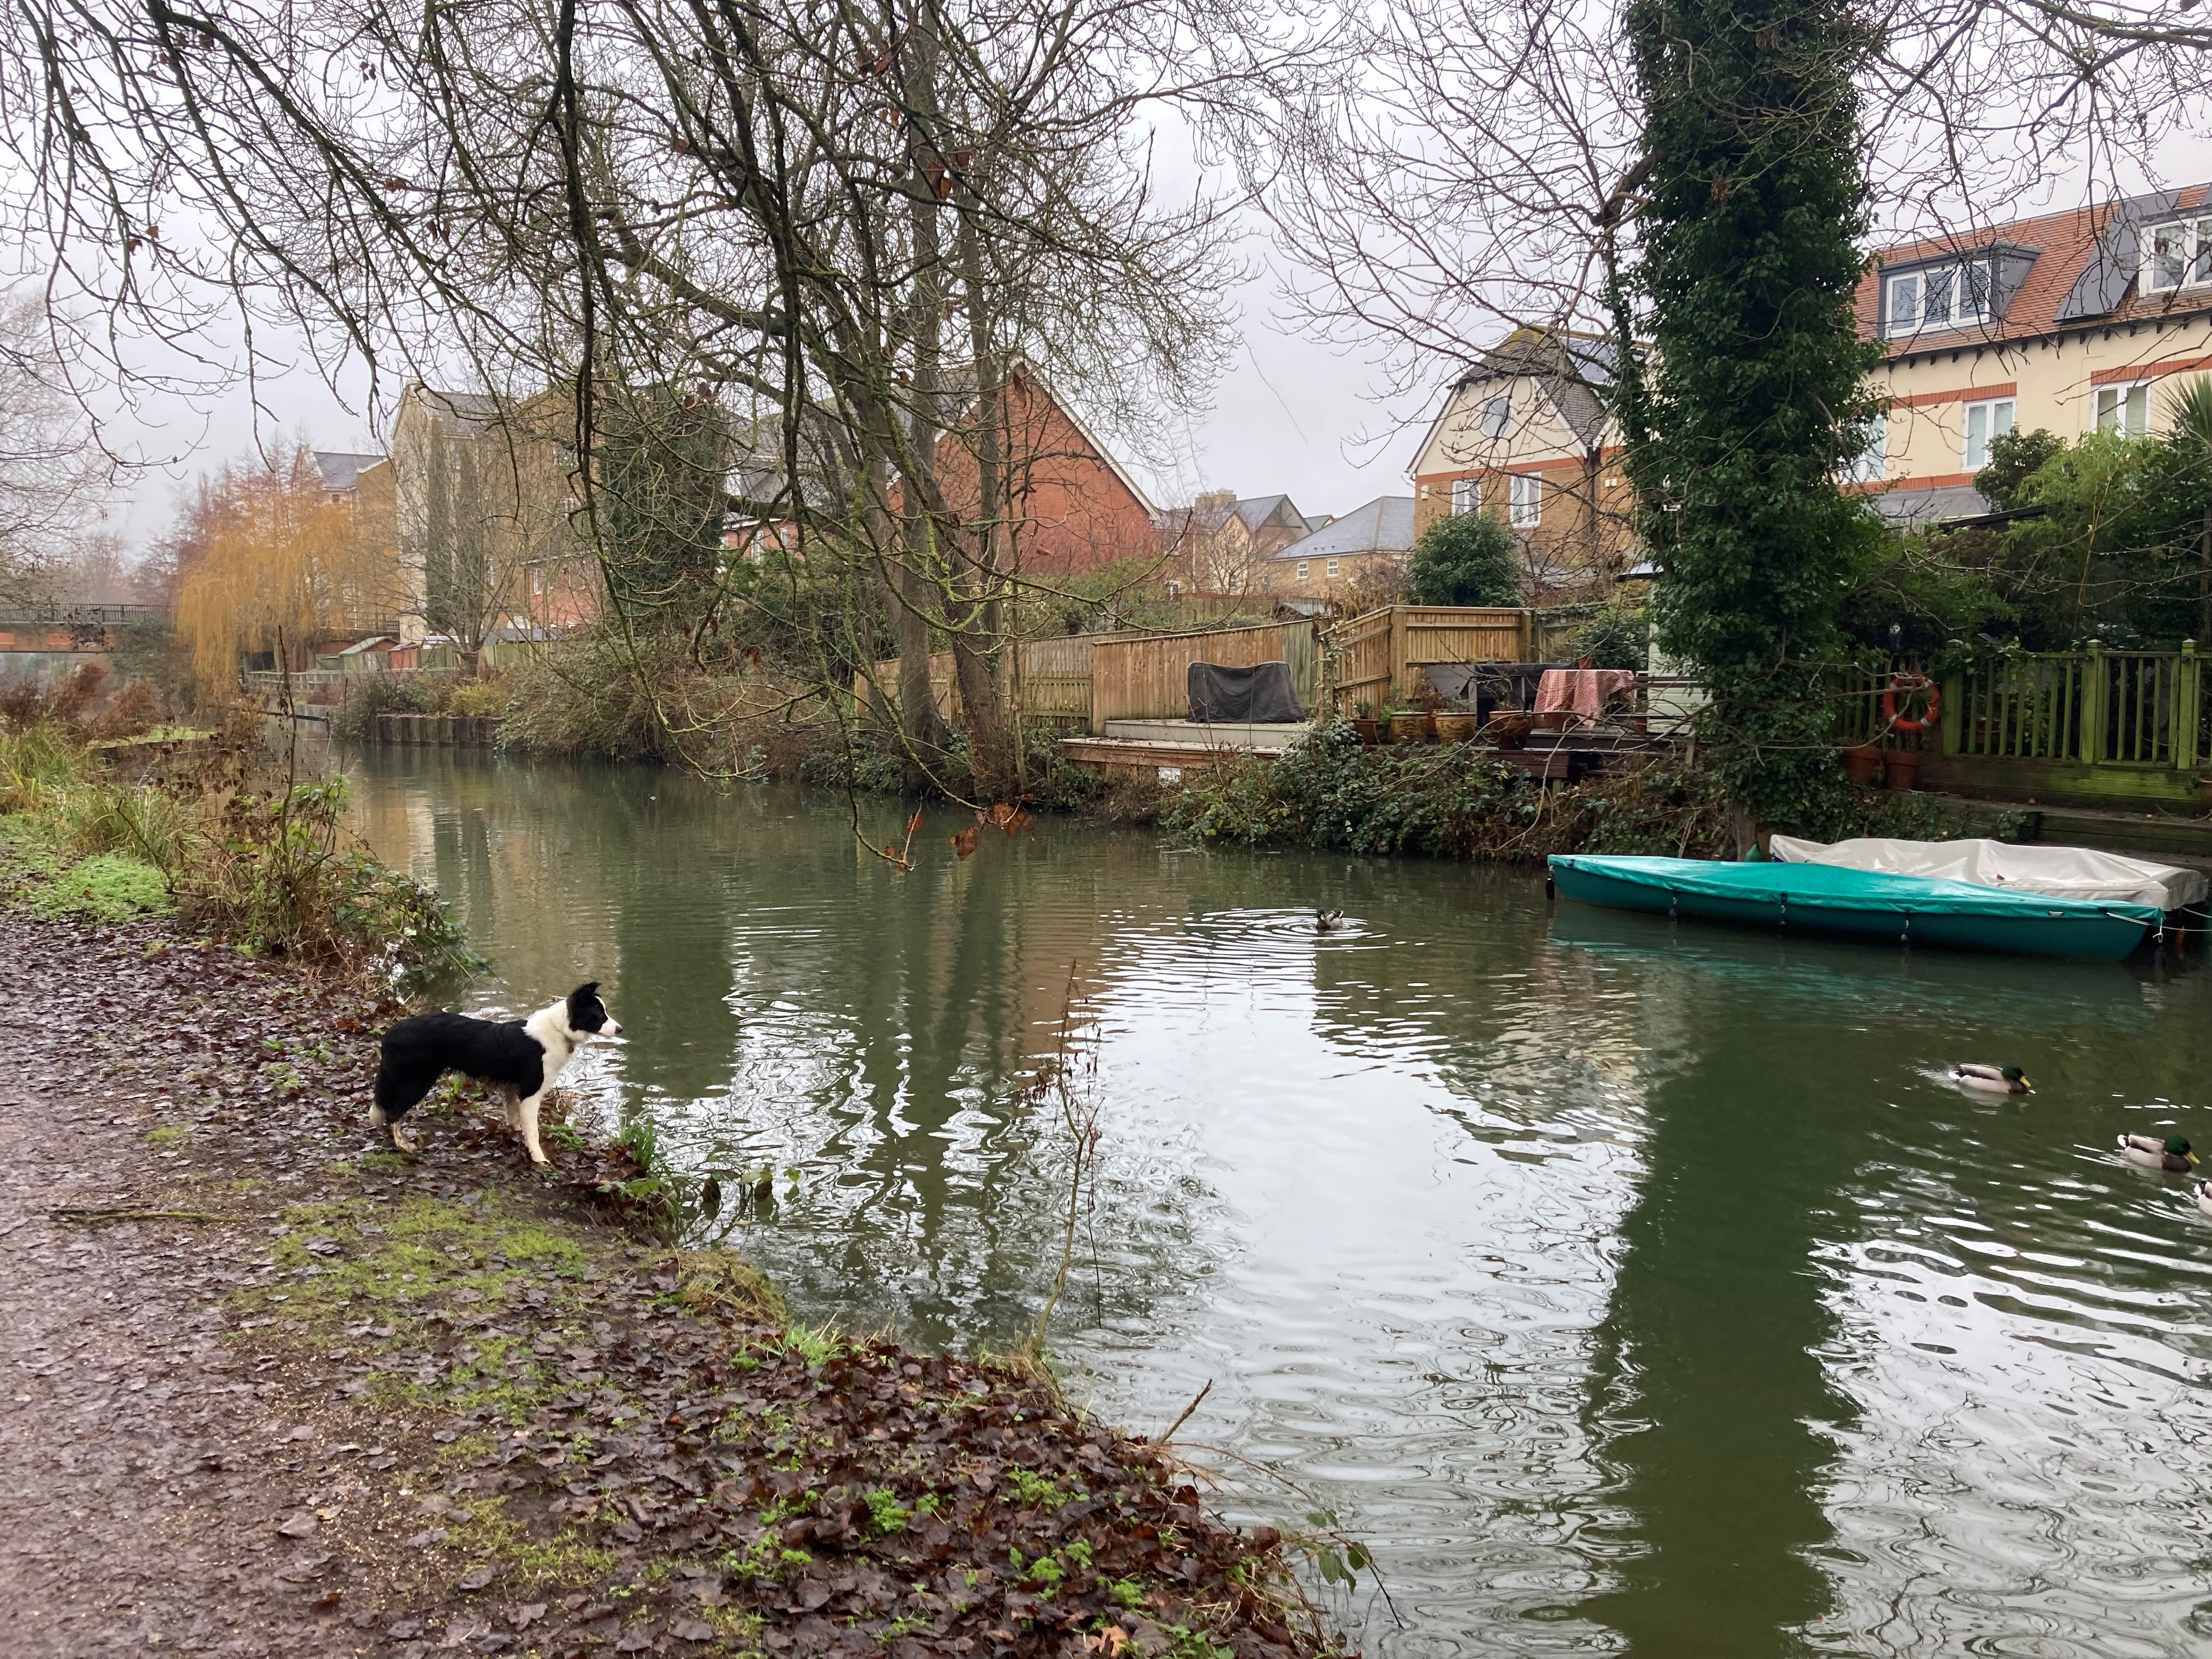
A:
<point x="1454" y="800"/>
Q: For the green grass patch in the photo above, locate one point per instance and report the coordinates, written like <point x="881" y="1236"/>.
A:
<point x="105" y="887"/>
<point x="483" y="1531"/>
<point x="168" y="1133"/>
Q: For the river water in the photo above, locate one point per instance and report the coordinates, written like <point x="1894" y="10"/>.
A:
<point x="1625" y="1290"/>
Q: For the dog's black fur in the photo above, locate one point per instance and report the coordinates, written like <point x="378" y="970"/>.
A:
<point x="506" y="1054"/>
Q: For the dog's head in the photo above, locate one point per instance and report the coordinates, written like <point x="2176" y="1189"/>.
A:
<point x="588" y="1015"/>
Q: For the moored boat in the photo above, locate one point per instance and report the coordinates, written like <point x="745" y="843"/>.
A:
<point x="1863" y="903"/>
<point x="2080" y="873"/>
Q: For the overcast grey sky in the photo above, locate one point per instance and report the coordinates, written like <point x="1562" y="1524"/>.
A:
<point x="1290" y="415"/>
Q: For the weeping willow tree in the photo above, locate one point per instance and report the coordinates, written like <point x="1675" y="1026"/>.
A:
<point x="280" y="565"/>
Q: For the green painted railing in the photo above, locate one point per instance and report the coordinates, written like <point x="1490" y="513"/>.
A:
<point x="2095" y="708"/>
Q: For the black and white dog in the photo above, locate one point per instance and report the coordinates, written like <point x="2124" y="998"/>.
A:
<point x="519" y="1058"/>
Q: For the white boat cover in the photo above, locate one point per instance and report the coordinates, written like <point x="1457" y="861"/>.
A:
<point x="2076" y="872"/>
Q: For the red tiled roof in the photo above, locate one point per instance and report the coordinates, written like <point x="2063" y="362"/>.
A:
<point x="2065" y="245"/>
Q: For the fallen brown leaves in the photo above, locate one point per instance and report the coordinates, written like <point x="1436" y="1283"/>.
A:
<point x="629" y="1455"/>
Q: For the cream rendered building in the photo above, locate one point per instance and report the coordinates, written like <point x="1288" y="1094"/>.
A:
<point x="2071" y="322"/>
<point x="1525" y="436"/>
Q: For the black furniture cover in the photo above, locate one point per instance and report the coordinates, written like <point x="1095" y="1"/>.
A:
<point x="1261" y="695"/>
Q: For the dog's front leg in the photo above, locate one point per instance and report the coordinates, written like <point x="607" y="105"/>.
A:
<point x="528" y="1112"/>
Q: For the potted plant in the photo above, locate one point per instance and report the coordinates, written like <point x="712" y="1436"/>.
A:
<point x="1509" y="726"/>
<point x="1454" y="726"/>
<point x="1409" y="726"/>
<point x="1364" y="723"/>
<point x="1903" y="767"/>
<point x="1861" y="761"/>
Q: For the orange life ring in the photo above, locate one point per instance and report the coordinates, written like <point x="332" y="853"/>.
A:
<point x="1906" y="683"/>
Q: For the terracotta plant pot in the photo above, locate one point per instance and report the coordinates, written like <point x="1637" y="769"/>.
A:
<point x="1861" y="761"/>
<point x="1454" y="728"/>
<point x="1371" y="731"/>
<point x="1409" y="728"/>
<point x="2204" y="790"/>
<point x="1903" y="766"/>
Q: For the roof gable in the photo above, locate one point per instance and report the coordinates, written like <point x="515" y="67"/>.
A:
<point x="1384" y="524"/>
<point x="2078" y="267"/>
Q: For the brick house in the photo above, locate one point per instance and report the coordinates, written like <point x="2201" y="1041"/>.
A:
<point x="1358" y="559"/>
<point x="471" y="467"/>
<point x="1073" y="507"/>
<point x="1223" y="543"/>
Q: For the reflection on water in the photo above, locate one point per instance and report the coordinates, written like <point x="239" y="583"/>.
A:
<point x="1629" y="1290"/>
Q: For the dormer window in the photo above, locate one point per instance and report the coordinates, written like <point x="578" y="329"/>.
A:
<point x="1495" y="418"/>
<point x="2179" y="255"/>
<point x="1937" y="296"/>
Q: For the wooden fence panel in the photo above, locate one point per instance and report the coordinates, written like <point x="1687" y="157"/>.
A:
<point x="1376" y="655"/>
<point x="1148" y="678"/>
<point x="1462" y="634"/>
<point x="1056" y="679"/>
<point x="942" y="683"/>
<point x="1360" y="651"/>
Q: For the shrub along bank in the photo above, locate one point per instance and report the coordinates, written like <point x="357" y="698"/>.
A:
<point x="213" y="830"/>
<point x="1454" y="800"/>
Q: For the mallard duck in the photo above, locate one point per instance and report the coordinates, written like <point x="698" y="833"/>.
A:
<point x="2149" y="1152"/>
<point x="2204" y="1196"/>
<point x="1327" y="921"/>
<point x="1998" y="1079"/>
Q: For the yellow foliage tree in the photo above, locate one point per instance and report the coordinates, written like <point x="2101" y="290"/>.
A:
<point x="278" y="565"/>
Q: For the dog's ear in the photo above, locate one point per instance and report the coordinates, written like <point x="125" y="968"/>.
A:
<point x="589" y="989"/>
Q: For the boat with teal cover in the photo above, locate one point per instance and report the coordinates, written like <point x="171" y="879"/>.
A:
<point x="1834" y="899"/>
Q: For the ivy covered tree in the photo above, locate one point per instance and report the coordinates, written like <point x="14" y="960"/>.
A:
<point x="663" y="457"/>
<point x="1753" y="393"/>
<point x="1466" y="558"/>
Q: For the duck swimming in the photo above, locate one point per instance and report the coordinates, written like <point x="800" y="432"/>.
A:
<point x="1998" y="1079"/>
<point x="1327" y="921"/>
<point x="2204" y="1196"/>
<point x="2148" y="1152"/>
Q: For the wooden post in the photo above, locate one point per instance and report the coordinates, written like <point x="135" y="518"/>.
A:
<point x="1955" y="707"/>
<point x="2188" y="682"/>
<point x="1399" y="690"/>
<point x="2096" y="699"/>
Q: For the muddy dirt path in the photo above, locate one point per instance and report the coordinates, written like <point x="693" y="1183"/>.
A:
<point x="266" y="1388"/>
<point x="148" y="1464"/>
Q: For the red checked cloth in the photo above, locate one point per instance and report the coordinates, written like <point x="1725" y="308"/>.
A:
<point x="1581" y="693"/>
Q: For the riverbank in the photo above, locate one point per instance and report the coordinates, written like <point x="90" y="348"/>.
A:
<point x="273" y="1389"/>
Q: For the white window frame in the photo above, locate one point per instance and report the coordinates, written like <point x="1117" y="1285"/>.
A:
<point x="1305" y="570"/>
<point x="1527" y="498"/>
<point x="1466" y="495"/>
<point x="2176" y="254"/>
<point x="2123" y="401"/>
<point x="1871" y="463"/>
<point x="1493" y="418"/>
<point x="1996" y="417"/>
<point x="1331" y="567"/>
<point x="1964" y="285"/>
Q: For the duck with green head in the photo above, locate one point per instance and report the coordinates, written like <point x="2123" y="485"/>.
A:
<point x="1992" y="1079"/>
<point x="2149" y="1152"/>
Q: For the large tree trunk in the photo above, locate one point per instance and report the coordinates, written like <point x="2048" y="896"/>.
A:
<point x="980" y="646"/>
<point x="921" y="727"/>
